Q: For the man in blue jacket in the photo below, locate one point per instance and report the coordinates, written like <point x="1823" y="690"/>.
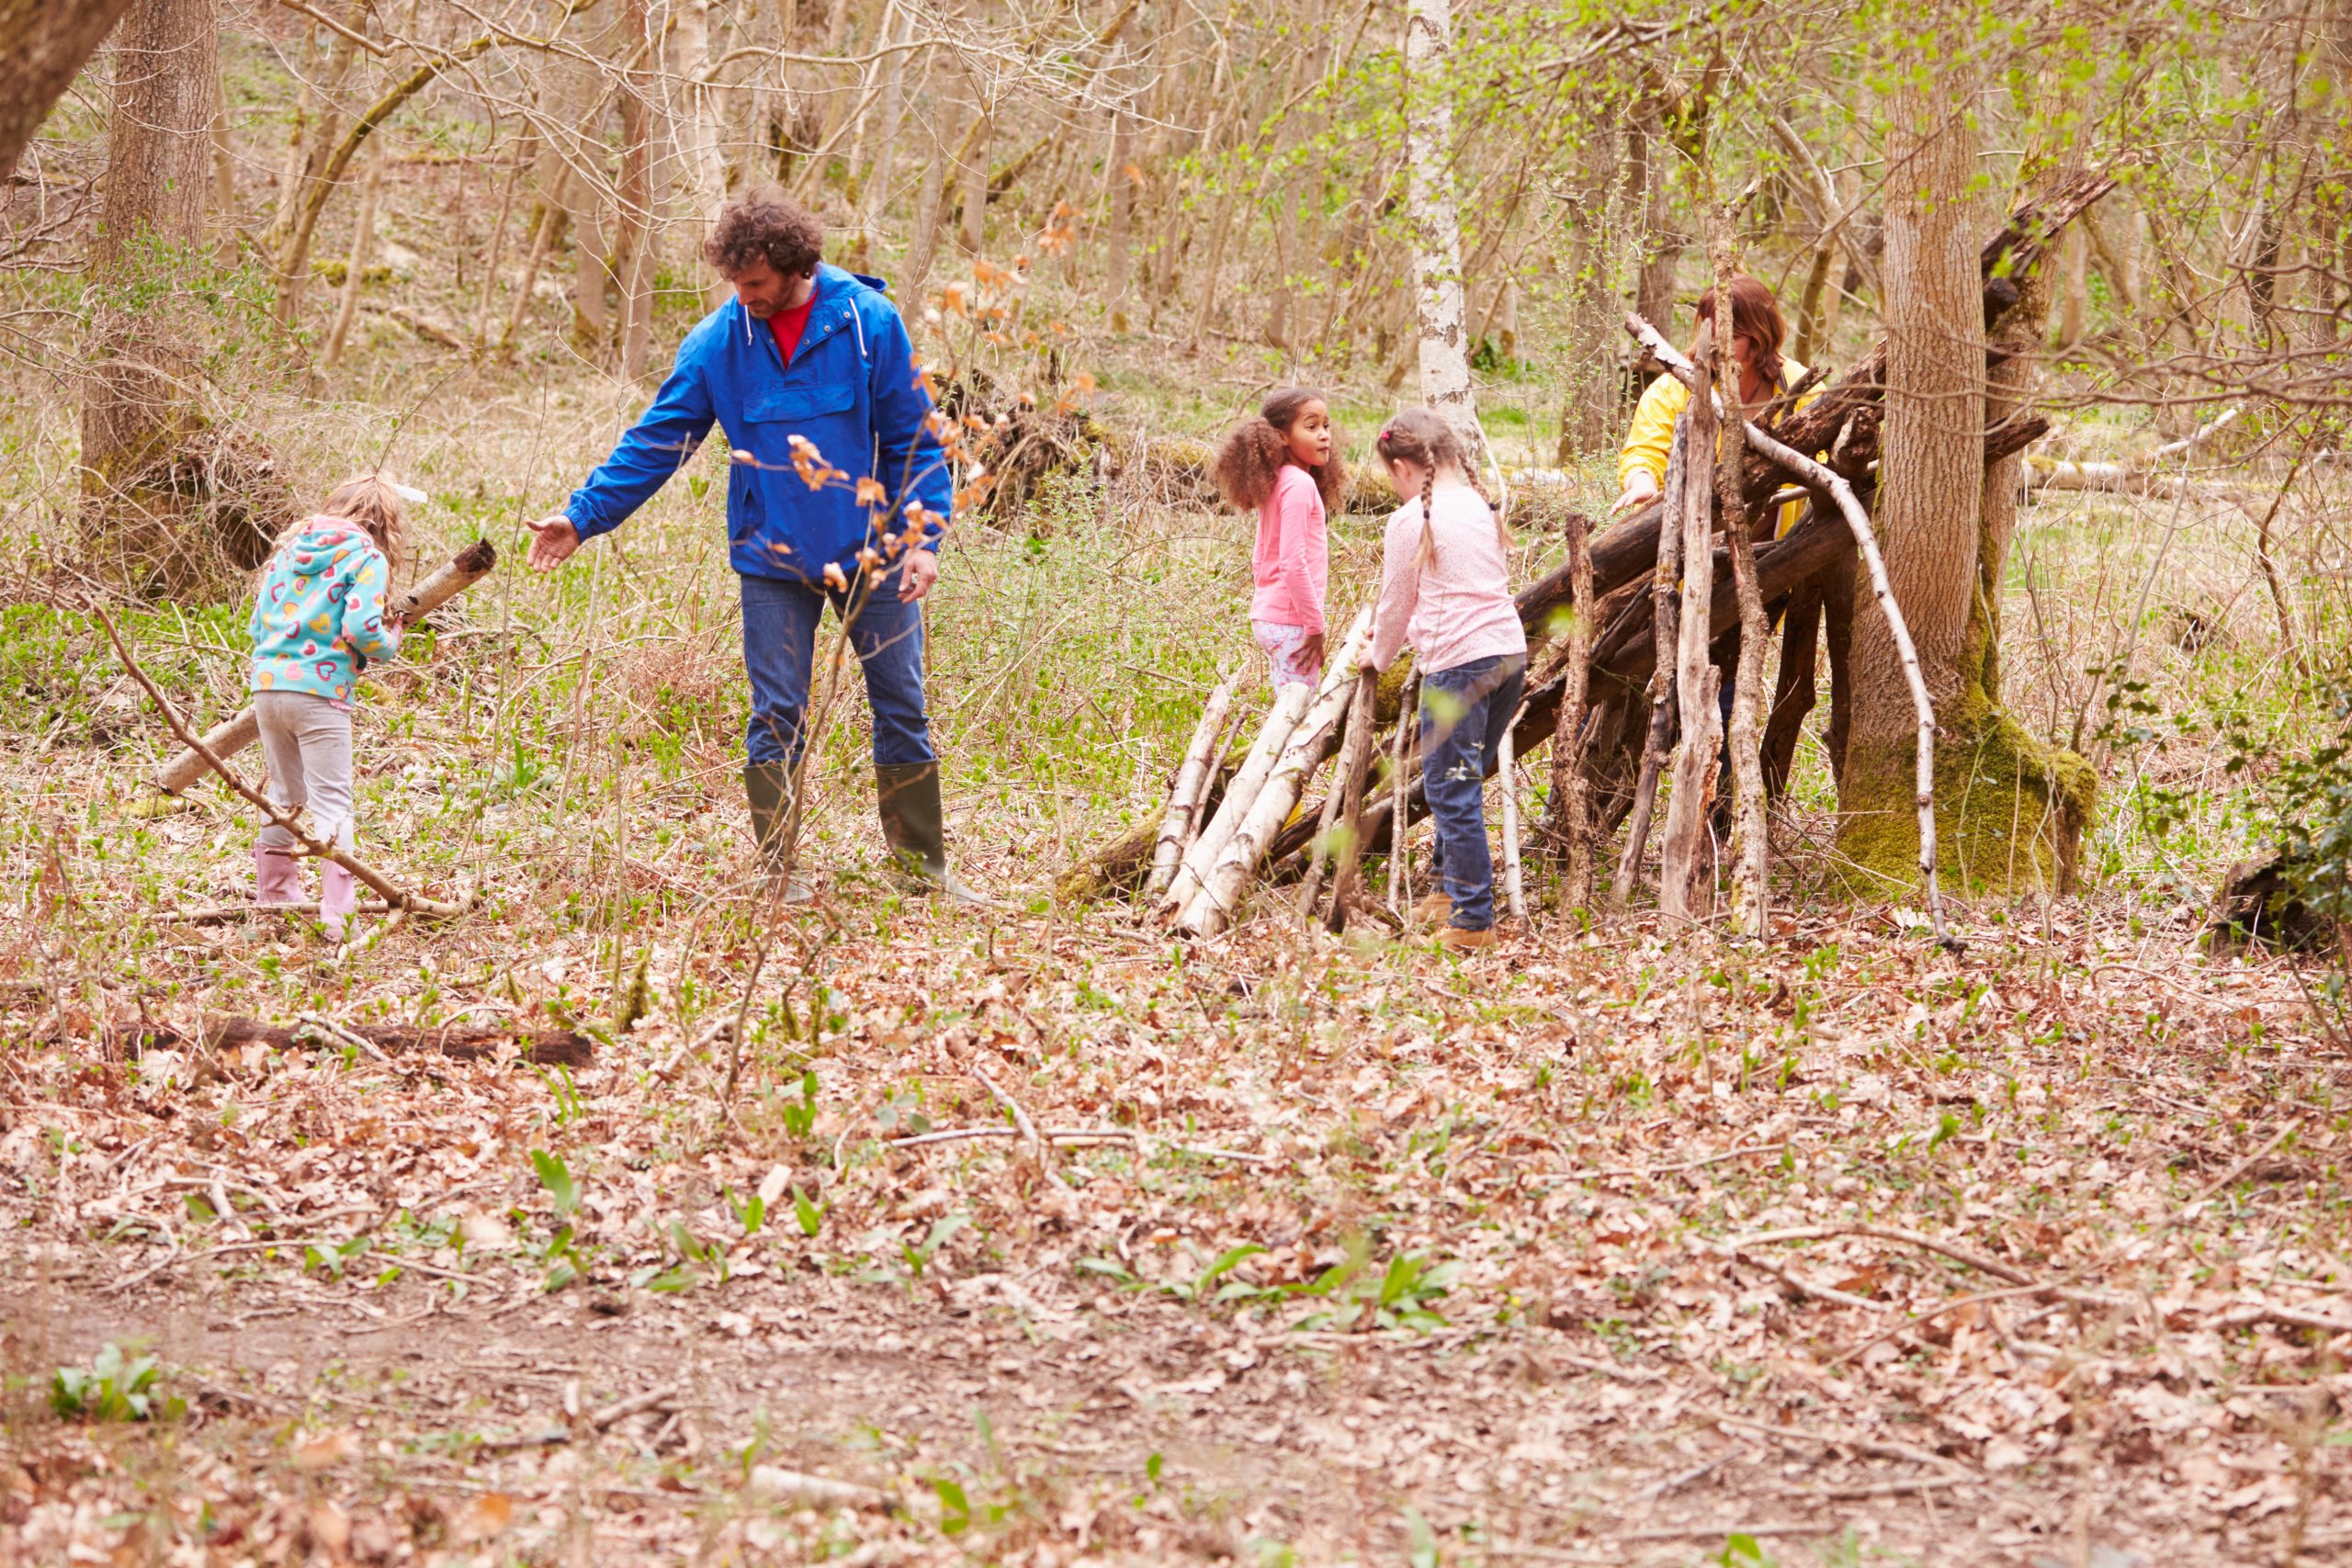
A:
<point x="810" y="371"/>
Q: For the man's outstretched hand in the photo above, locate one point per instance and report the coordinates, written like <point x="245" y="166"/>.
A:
<point x="552" y="541"/>
<point x="915" y="577"/>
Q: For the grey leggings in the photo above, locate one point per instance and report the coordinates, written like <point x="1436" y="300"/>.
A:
<point x="308" y="743"/>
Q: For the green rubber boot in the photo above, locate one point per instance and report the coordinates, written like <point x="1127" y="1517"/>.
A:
<point x="768" y="787"/>
<point x="914" y="826"/>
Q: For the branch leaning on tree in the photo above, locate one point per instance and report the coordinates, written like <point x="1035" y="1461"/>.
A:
<point x="392" y="892"/>
<point x="1865" y="542"/>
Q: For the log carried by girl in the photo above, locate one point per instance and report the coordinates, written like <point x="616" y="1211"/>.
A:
<point x="1446" y="589"/>
<point x="1285" y="466"/>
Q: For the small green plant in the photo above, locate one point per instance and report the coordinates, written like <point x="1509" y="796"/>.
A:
<point x="557" y="1179"/>
<point x="811" y="1214"/>
<point x="114" y="1386"/>
<point x="800" y="1120"/>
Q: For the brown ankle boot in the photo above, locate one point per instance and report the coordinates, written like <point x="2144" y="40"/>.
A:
<point x="1454" y="939"/>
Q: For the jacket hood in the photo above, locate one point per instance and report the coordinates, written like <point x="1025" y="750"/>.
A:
<point x="317" y="545"/>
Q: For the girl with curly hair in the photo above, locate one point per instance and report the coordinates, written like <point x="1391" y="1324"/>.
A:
<point x="1285" y="466"/>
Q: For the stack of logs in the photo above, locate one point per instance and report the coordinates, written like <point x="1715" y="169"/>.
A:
<point x="1229" y="818"/>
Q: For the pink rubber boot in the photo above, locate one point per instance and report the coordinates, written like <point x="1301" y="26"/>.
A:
<point x="277" y="880"/>
<point x="338" y="897"/>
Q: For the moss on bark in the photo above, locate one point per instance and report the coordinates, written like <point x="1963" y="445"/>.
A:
<point x="2010" y="810"/>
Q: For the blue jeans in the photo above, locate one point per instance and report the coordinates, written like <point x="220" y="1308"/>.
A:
<point x="779" y="642"/>
<point x="1465" y="711"/>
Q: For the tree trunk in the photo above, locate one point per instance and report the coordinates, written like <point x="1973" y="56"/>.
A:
<point x="138" y="406"/>
<point x="1119" y="264"/>
<point x="354" y="265"/>
<point x="973" y="233"/>
<point x="633" y="210"/>
<point x="691" y="54"/>
<point x="1653" y="289"/>
<point x="43" y="44"/>
<point x="1946" y="526"/>
<point x="1436" y="220"/>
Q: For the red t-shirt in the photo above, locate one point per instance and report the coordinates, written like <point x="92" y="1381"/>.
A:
<point x="788" y="325"/>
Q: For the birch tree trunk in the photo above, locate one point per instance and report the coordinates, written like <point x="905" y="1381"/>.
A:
<point x="1436" y="220"/>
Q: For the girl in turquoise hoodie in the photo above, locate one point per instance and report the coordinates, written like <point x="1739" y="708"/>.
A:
<point x="319" y="616"/>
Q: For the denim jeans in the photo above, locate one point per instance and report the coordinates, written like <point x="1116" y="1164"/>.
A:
<point x="1465" y="711"/>
<point x="779" y="642"/>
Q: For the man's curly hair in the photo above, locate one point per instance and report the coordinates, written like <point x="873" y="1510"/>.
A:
<point x="768" y="227"/>
<point x="1252" y="456"/>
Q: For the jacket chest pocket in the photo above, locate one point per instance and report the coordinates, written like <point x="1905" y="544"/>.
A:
<point x="793" y="406"/>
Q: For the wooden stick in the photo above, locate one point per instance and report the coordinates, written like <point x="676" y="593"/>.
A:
<point x="1400" y="892"/>
<point x="1514" y="885"/>
<point x="1661" y="693"/>
<point x="391" y="891"/>
<point x="1865" y="542"/>
<point x="1571" y="787"/>
<point x="232" y="735"/>
<point x="1177" y="823"/>
<point x="1750" y="888"/>
<point x="1686" y="811"/>
<point x="1351" y="776"/>
<point x="1290" y="705"/>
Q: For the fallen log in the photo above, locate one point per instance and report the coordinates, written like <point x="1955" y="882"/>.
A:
<point x="546" y="1048"/>
<point x="232" y="735"/>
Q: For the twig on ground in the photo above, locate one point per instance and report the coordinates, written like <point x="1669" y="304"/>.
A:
<point x="335" y="1031"/>
<point x="1976" y="1260"/>
<point x="1076" y="1135"/>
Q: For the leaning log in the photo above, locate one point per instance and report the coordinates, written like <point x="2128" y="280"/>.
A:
<point x="1313" y="739"/>
<point x="1183" y="814"/>
<point x="232" y="735"/>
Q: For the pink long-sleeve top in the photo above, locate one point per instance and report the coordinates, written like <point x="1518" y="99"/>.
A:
<point x="1293" y="558"/>
<point x="1457" y="609"/>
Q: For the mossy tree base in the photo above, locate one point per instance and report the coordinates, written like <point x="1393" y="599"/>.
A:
<point x="2010" y="810"/>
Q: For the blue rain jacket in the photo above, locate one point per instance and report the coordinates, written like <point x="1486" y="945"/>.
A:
<point x="853" y="390"/>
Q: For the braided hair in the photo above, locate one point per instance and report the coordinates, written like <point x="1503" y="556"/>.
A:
<point x="1422" y="437"/>
<point x="1252" y="456"/>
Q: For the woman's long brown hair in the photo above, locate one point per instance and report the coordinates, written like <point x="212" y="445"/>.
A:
<point x="1757" y="314"/>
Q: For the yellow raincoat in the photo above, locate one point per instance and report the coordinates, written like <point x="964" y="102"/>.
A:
<point x="1651" y="438"/>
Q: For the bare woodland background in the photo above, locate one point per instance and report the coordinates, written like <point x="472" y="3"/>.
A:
<point x="1635" y="1245"/>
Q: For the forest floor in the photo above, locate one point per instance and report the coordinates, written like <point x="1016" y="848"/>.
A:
<point x="1619" y="1245"/>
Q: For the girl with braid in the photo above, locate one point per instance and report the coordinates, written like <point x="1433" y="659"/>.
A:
<point x="1284" y="465"/>
<point x="1446" y="589"/>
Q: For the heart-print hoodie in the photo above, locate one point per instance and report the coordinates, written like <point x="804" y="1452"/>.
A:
<point x="320" y="614"/>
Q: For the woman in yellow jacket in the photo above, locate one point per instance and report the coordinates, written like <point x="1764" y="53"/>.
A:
<point x="1758" y="330"/>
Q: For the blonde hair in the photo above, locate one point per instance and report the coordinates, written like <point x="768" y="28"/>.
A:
<point x="370" y="500"/>
<point x="1422" y="437"/>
